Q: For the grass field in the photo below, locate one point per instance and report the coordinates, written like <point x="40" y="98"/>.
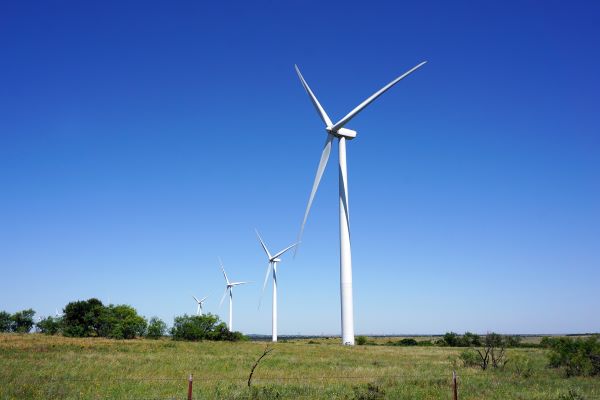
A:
<point x="34" y="366"/>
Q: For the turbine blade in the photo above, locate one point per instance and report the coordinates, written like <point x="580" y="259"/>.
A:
<point x="320" y="170"/>
<point x="264" y="284"/>
<point x="264" y="246"/>
<point x="223" y="298"/>
<point x="313" y="98"/>
<point x="286" y="249"/>
<point x="223" y="269"/>
<point x="202" y="301"/>
<point x="197" y="301"/>
<point x="375" y="95"/>
<point x="238" y="283"/>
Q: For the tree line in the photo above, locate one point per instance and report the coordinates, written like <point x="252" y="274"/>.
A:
<point x="91" y="318"/>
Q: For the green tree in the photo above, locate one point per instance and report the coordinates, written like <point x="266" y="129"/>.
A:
<point x="84" y="318"/>
<point x="156" y="328"/>
<point x="49" y="325"/>
<point x="451" y="339"/>
<point x="576" y="357"/>
<point x="122" y="322"/>
<point x="202" y="327"/>
<point x="6" y="321"/>
<point x="23" y="321"/>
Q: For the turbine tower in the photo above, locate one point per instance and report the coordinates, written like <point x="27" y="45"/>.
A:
<point x="338" y="131"/>
<point x="273" y="260"/>
<point x="229" y="288"/>
<point x="200" y="303"/>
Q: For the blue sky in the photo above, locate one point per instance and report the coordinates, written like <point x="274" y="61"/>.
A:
<point x="139" y="141"/>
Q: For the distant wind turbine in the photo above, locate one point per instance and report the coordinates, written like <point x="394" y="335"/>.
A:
<point x="338" y="131"/>
<point x="200" y="303"/>
<point x="229" y="288"/>
<point x="273" y="260"/>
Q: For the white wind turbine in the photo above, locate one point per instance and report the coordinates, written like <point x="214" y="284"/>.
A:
<point x="200" y="303"/>
<point x="338" y="131"/>
<point x="273" y="260"/>
<point x="229" y="288"/>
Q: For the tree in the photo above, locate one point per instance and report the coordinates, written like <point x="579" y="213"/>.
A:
<point x="202" y="327"/>
<point x="22" y="321"/>
<point x="575" y="357"/>
<point x="156" y="328"/>
<point x="470" y="339"/>
<point x="5" y="321"/>
<point x="451" y="339"/>
<point x="493" y="351"/>
<point x="122" y="322"/>
<point x="49" y="325"/>
<point x="84" y="318"/>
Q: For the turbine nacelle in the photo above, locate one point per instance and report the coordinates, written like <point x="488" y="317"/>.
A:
<point x="342" y="132"/>
<point x="275" y="260"/>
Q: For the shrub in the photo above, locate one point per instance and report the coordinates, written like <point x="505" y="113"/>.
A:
<point x="577" y="357"/>
<point x="522" y="366"/>
<point x="572" y="394"/>
<point x="361" y="340"/>
<point x="470" y="358"/>
<point x="156" y="328"/>
<point x="408" y="342"/>
<point x="425" y="343"/>
<point x="368" y="392"/>
<point x="49" y="325"/>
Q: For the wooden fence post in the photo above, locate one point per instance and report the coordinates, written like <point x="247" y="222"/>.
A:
<point x="454" y="386"/>
<point x="190" y="380"/>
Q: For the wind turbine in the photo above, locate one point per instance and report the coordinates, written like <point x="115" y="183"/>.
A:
<point x="338" y="131"/>
<point x="200" y="302"/>
<point x="229" y="288"/>
<point x="273" y="260"/>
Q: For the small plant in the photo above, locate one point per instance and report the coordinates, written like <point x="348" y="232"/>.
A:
<point x="361" y="340"/>
<point x="522" y="366"/>
<point x="470" y="358"/>
<point x="572" y="394"/>
<point x="368" y="392"/>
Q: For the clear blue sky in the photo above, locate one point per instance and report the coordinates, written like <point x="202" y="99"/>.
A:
<point x="140" y="141"/>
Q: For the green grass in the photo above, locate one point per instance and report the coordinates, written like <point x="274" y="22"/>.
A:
<point x="40" y="367"/>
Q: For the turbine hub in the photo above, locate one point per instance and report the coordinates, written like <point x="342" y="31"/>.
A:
<point x="342" y="132"/>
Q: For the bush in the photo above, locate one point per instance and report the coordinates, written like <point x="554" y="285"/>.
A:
<point x="202" y="327"/>
<point x="522" y="366"/>
<point x="470" y="358"/>
<point x="577" y="357"/>
<point x="408" y="342"/>
<point x="572" y="394"/>
<point x="156" y="328"/>
<point x="49" y="325"/>
<point x="361" y="340"/>
<point x="425" y="343"/>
